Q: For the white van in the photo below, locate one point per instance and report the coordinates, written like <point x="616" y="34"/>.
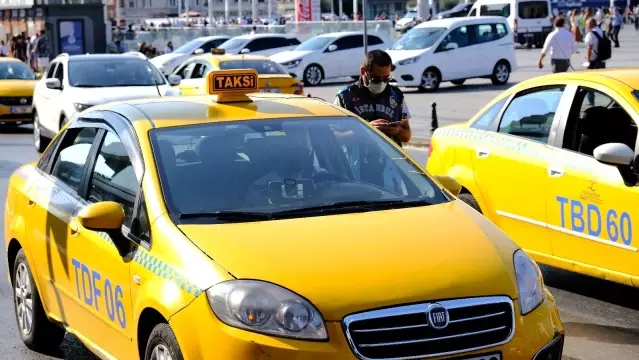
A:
<point x="528" y="19"/>
<point x="454" y="50"/>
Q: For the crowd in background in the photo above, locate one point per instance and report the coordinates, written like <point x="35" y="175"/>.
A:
<point x="33" y="51"/>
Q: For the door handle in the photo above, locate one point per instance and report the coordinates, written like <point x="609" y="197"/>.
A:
<point x="74" y="228"/>
<point x="482" y="153"/>
<point x="555" y="171"/>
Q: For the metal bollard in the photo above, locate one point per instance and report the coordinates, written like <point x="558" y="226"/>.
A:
<point x="434" y="123"/>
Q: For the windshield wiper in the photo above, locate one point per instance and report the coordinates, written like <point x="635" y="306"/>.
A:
<point x="229" y="215"/>
<point x="356" y="205"/>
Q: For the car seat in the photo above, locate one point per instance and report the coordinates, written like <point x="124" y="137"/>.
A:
<point x="599" y="125"/>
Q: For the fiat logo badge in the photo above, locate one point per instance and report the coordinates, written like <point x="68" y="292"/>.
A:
<point x="23" y="101"/>
<point x="437" y="316"/>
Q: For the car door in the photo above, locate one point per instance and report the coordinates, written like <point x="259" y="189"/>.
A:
<point x="483" y="41"/>
<point x="349" y="47"/>
<point x="510" y="165"/>
<point x="591" y="212"/>
<point x="187" y="85"/>
<point x="42" y="96"/>
<point x="453" y="53"/>
<point x="51" y="211"/>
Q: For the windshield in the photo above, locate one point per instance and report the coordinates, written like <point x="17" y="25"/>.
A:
<point x="114" y="72"/>
<point x="419" y="38"/>
<point x="189" y="47"/>
<point x="267" y="166"/>
<point x="15" y="70"/>
<point x="458" y="7"/>
<point x="316" y="43"/>
<point x="533" y="10"/>
<point x="233" y="44"/>
<point x="264" y="67"/>
<point x="410" y="15"/>
<point x="495" y="10"/>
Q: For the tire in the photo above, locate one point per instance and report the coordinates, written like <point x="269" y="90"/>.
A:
<point x="470" y="200"/>
<point x="431" y="79"/>
<point x="501" y="73"/>
<point x="39" y="141"/>
<point x="458" y="82"/>
<point x="313" y="75"/>
<point x="41" y="334"/>
<point x="162" y="339"/>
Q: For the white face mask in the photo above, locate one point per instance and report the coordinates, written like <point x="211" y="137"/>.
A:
<point x="376" y="88"/>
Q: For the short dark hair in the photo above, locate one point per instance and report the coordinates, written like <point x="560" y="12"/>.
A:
<point x="42" y="32"/>
<point x="377" y="57"/>
<point x="560" y="22"/>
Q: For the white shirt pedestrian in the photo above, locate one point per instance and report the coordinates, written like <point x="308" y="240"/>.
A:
<point x="592" y="40"/>
<point x="599" y="16"/>
<point x="560" y="44"/>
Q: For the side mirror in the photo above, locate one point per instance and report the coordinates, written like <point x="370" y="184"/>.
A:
<point x="451" y="46"/>
<point x="198" y="52"/>
<point x="174" y="80"/>
<point x="332" y="48"/>
<point x="449" y="183"/>
<point x="621" y="156"/>
<point x="53" y="84"/>
<point x="245" y="51"/>
<point x="104" y="216"/>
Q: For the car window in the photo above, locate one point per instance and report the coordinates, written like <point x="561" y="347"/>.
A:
<point x="457" y="36"/>
<point x="473" y="12"/>
<point x="495" y="10"/>
<point x="266" y="67"/>
<point x="15" y="70"/>
<point x="419" y="38"/>
<point x="185" y="71"/>
<point x="531" y="115"/>
<point x="485" y="120"/>
<point x="59" y="73"/>
<point x="502" y="31"/>
<point x="482" y="33"/>
<point x="349" y="42"/>
<point x="113" y="178"/>
<point x="595" y="119"/>
<point x="199" y="70"/>
<point x="51" y="71"/>
<point x="259" y="44"/>
<point x="533" y="9"/>
<point x="293" y="42"/>
<point x="276" y="165"/>
<point x="114" y="73"/>
<point x="46" y="157"/>
<point x="279" y="42"/>
<point x="72" y="157"/>
<point x="210" y="45"/>
<point x="374" y="40"/>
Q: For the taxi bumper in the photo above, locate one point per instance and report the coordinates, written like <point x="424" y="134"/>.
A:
<point x="202" y="336"/>
<point x="16" y="114"/>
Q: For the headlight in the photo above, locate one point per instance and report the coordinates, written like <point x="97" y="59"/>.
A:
<point x="292" y="64"/>
<point x="266" y="308"/>
<point x="529" y="282"/>
<point x="409" y="61"/>
<point x="81" y="107"/>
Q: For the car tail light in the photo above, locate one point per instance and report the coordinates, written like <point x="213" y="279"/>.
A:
<point x="515" y="27"/>
<point x="299" y="88"/>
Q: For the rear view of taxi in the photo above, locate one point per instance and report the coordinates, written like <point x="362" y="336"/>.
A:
<point x="272" y="77"/>
<point x="552" y="163"/>
<point x="252" y="227"/>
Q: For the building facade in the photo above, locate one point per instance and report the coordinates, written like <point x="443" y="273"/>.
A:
<point x="132" y="10"/>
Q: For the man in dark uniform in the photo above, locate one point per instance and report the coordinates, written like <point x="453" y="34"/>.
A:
<point x="374" y="100"/>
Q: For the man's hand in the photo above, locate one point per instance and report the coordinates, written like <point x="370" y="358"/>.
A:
<point x="380" y="124"/>
<point x="540" y="64"/>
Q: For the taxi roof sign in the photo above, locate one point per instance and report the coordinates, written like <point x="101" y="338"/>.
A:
<point x="218" y="51"/>
<point x="232" y="85"/>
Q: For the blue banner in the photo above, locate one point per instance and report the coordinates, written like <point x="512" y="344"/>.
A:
<point x="72" y="37"/>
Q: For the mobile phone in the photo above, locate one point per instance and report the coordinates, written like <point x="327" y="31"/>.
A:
<point x="394" y="123"/>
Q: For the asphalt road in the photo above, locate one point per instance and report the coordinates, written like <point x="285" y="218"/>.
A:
<point x="601" y="318"/>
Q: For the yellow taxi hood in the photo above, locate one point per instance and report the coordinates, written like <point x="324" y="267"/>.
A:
<point x="17" y="87"/>
<point x="354" y="262"/>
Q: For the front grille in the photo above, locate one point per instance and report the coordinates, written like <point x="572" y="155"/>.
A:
<point x="404" y="332"/>
<point x="15" y="100"/>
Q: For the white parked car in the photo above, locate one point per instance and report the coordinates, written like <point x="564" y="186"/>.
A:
<point x="259" y="44"/>
<point x="73" y="84"/>
<point x="328" y="56"/>
<point x="454" y="50"/>
<point x="529" y="20"/>
<point x="407" y="22"/>
<point x="166" y="63"/>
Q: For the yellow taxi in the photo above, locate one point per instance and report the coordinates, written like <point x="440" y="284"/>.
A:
<point x="260" y="226"/>
<point x="272" y="77"/>
<point x="17" y="82"/>
<point x="551" y="161"/>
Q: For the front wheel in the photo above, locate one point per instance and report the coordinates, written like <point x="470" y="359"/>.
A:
<point x="313" y="75"/>
<point x="163" y="345"/>
<point x="39" y="141"/>
<point x="430" y="80"/>
<point x="501" y="73"/>
<point x="36" y="331"/>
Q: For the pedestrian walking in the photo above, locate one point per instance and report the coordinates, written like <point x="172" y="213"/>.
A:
<point x="20" y="49"/>
<point x="598" y="50"/>
<point x="560" y="44"/>
<point x="42" y="52"/>
<point x="574" y="22"/>
<point x="4" y="49"/>
<point x="169" y="48"/>
<point x="616" y="22"/>
<point x="636" y="16"/>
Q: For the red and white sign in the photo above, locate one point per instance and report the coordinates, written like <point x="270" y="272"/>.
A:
<point x="307" y="10"/>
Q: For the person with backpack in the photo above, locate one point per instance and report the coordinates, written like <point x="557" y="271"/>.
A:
<point x="599" y="47"/>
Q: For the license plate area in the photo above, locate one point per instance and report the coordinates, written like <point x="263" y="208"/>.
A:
<point x="21" y="109"/>
<point x="492" y="356"/>
<point x="270" y="90"/>
<point x="534" y="29"/>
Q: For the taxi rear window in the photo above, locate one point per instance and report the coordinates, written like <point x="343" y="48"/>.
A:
<point x="268" y="166"/>
<point x="636" y="94"/>
<point x="263" y="67"/>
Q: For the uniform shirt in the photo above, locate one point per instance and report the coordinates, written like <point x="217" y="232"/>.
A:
<point x="592" y="40"/>
<point x="389" y="105"/>
<point x="617" y="19"/>
<point x="561" y="43"/>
